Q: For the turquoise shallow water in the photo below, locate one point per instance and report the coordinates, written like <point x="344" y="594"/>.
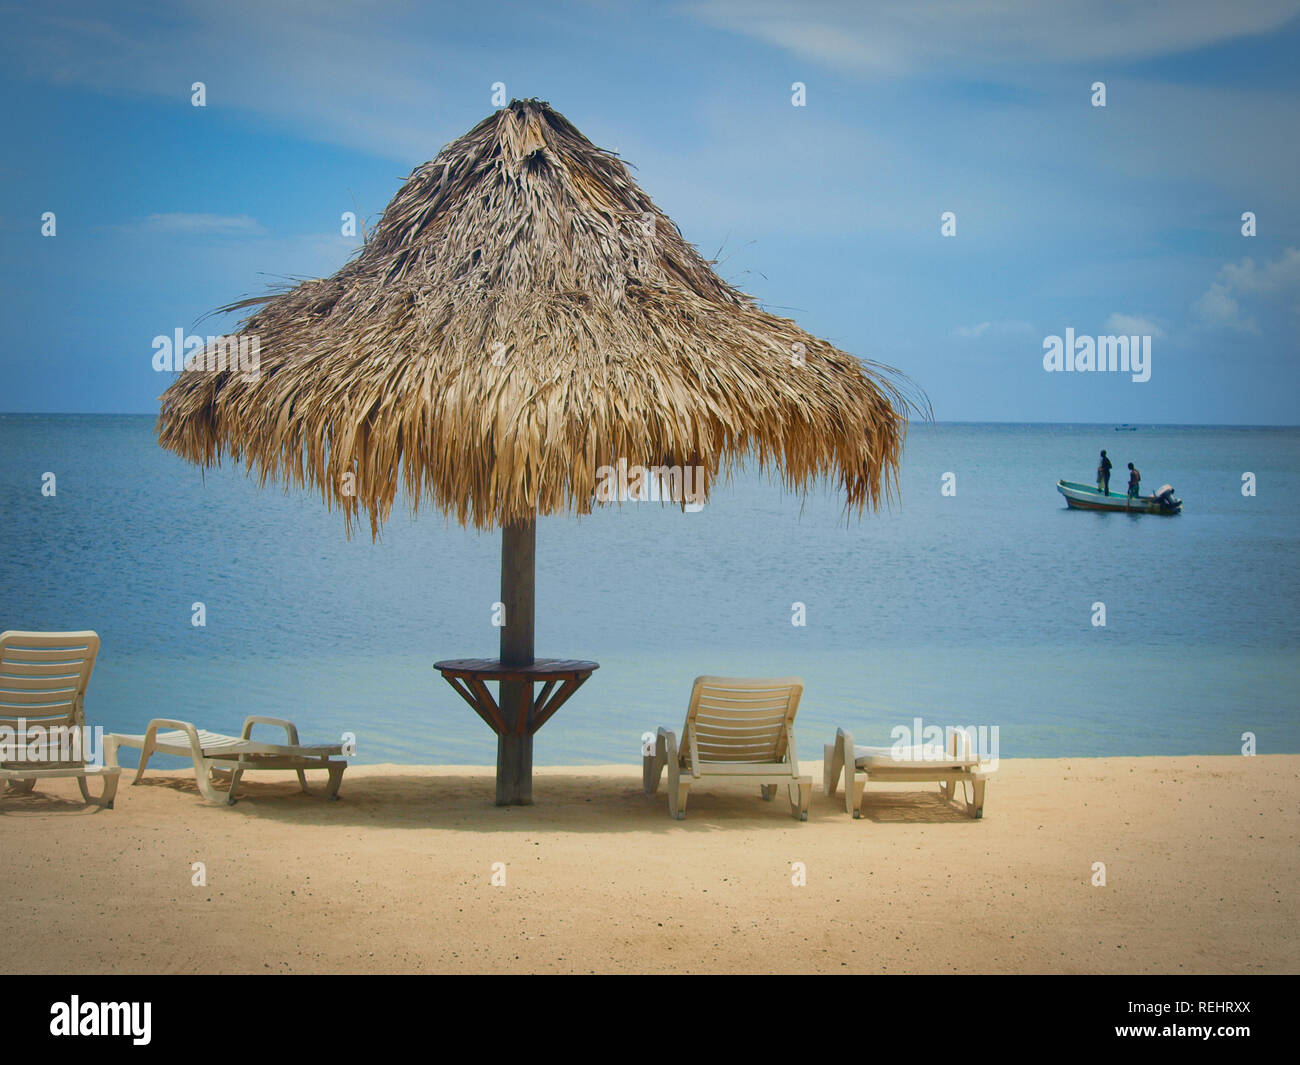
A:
<point x="967" y="610"/>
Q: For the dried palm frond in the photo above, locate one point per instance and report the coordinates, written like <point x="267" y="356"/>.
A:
<point x="522" y="315"/>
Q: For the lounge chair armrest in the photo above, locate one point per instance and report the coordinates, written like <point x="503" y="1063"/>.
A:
<point x="186" y="727"/>
<point x="167" y="722"/>
<point x="675" y="752"/>
<point x="791" y="755"/>
<point x="663" y="752"/>
<point x="289" y="727"/>
<point x="672" y="752"/>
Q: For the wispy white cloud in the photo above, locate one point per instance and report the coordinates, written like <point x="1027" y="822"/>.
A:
<point x="198" y="224"/>
<point x="974" y="332"/>
<point x="1221" y="304"/>
<point x="333" y="77"/>
<point x="899" y="36"/>
<point x="1118" y="324"/>
<point x="1278" y="276"/>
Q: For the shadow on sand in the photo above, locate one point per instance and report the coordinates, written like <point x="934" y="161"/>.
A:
<point x="569" y="801"/>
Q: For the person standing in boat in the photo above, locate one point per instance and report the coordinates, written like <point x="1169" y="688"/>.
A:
<point x="1103" y="474"/>
<point x="1134" y="481"/>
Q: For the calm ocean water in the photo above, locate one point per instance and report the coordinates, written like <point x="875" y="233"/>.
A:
<point x="973" y="610"/>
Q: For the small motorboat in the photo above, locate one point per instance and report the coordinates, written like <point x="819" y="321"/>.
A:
<point x="1090" y="497"/>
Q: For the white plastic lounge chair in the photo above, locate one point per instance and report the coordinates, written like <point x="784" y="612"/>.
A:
<point x="736" y="730"/>
<point x="43" y="678"/>
<point x="886" y="764"/>
<point x="215" y="754"/>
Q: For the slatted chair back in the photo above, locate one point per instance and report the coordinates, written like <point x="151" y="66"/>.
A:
<point x="736" y="720"/>
<point x="43" y="679"/>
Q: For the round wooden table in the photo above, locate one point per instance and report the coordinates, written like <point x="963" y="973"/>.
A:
<point x="470" y="677"/>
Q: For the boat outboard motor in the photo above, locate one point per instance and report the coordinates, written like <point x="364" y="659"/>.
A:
<point x="1165" y="497"/>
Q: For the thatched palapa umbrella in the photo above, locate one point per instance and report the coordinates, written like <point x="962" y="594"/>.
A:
<point x="521" y="316"/>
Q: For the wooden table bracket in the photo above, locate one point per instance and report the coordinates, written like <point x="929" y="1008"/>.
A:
<point x="469" y="677"/>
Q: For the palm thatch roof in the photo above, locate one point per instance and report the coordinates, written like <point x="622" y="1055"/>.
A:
<point x="522" y="315"/>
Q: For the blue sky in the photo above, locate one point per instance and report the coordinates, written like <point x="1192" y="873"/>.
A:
<point x="1118" y="219"/>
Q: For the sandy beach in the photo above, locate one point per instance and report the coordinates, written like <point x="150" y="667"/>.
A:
<point x="1202" y="855"/>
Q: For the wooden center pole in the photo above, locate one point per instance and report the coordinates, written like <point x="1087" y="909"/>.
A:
<point x="515" y="751"/>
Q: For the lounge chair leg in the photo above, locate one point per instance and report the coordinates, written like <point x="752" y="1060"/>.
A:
<point x="842" y="758"/>
<point x="302" y="780"/>
<point x="854" y="792"/>
<point x="21" y="787"/>
<point x="678" y="786"/>
<point x="832" y="765"/>
<point x="234" y="781"/>
<point x="203" y="778"/>
<point x="800" y="791"/>
<point x="678" y="807"/>
<point x="652" y="766"/>
<point x="106" y="792"/>
<point x="145" y="752"/>
<point x="768" y="791"/>
<point x="977" y="810"/>
<point x="336" y="778"/>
